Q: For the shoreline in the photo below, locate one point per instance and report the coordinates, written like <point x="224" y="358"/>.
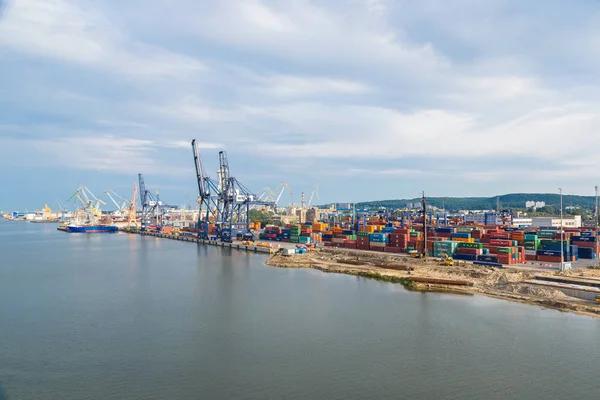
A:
<point x="461" y="279"/>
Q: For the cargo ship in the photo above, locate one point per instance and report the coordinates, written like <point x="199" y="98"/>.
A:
<point x="91" y="228"/>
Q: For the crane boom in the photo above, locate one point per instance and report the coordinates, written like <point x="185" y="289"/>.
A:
<point x="200" y="174"/>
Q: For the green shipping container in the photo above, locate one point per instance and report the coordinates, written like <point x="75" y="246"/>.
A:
<point x="362" y="234"/>
<point x="553" y="242"/>
<point x="505" y="250"/>
<point x="304" y="240"/>
<point x="530" y="237"/>
<point x="471" y="245"/>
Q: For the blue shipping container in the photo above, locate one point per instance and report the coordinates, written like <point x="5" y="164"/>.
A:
<point x="551" y="253"/>
<point x="587" y="253"/>
<point x="462" y="235"/>
<point x="584" y="239"/>
<point x="488" y="258"/>
<point x="467" y="257"/>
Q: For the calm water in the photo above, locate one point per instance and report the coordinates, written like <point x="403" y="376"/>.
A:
<point x="124" y="317"/>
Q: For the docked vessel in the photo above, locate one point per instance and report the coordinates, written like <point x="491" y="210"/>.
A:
<point x="91" y="228"/>
<point x="88" y="218"/>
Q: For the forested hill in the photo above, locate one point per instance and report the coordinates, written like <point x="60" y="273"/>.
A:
<point x="514" y="200"/>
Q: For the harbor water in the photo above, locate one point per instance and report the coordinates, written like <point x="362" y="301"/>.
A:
<point x="117" y="316"/>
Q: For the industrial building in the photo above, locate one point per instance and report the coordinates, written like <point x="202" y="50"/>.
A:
<point x="568" y="222"/>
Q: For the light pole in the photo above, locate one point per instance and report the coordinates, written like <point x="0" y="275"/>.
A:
<point x="562" y="259"/>
<point x="596" y="227"/>
<point x="563" y="265"/>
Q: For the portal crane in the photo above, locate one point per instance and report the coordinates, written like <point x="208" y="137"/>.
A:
<point x="225" y="199"/>
<point x="314" y="192"/>
<point x="209" y="192"/>
<point x="132" y="220"/>
<point x="152" y="207"/>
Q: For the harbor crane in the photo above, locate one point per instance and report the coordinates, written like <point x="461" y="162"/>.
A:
<point x="228" y="196"/>
<point x="236" y="202"/>
<point x="120" y="207"/>
<point x="209" y="193"/>
<point x="152" y="208"/>
<point x="314" y="192"/>
<point x="87" y="199"/>
<point x="132" y="213"/>
<point x="275" y="194"/>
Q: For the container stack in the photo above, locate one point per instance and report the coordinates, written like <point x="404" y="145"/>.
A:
<point x="587" y="245"/>
<point x="362" y="241"/>
<point x="378" y="241"/>
<point x="295" y="233"/>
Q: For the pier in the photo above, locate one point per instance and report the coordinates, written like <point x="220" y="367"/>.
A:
<point x="234" y="245"/>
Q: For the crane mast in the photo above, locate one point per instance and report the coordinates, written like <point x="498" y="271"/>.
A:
<point x="227" y="199"/>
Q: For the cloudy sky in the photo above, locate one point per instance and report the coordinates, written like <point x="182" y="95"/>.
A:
<point x="368" y="99"/>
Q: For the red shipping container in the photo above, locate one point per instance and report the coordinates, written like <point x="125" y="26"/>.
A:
<point x="350" y="245"/>
<point x="549" y="259"/>
<point x="393" y="250"/>
<point x="464" y="250"/>
<point x="505" y="259"/>
<point x="501" y="243"/>
<point x="476" y="234"/>
<point x="530" y="257"/>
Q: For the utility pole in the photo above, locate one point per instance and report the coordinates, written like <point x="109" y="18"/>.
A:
<point x="424" y="225"/>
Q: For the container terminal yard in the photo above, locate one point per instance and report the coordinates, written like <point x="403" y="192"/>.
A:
<point x="543" y="260"/>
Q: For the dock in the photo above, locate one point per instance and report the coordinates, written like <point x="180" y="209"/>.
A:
<point x="234" y="245"/>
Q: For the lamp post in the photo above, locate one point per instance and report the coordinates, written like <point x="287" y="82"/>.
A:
<point x="562" y="259"/>
<point x="563" y="265"/>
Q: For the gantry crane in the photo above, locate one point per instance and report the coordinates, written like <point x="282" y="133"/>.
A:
<point x="209" y="193"/>
<point x="153" y="210"/>
<point x="231" y="200"/>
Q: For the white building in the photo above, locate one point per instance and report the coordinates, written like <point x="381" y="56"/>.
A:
<point x="568" y="222"/>
<point x="522" y="222"/>
<point x="535" y="204"/>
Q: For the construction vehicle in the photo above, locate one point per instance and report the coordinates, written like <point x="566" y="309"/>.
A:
<point x="415" y="254"/>
<point x="247" y="242"/>
<point x="448" y="261"/>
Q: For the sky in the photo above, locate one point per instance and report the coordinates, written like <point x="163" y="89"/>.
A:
<point x="366" y="99"/>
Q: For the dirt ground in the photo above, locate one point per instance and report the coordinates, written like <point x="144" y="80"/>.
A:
<point x="506" y="283"/>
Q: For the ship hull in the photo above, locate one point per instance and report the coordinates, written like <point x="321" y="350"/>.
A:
<point x="92" y="229"/>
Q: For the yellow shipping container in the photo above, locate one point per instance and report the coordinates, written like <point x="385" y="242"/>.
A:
<point x="464" y="240"/>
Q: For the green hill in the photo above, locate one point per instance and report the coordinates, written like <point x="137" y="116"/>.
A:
<point x="513" y="200"/>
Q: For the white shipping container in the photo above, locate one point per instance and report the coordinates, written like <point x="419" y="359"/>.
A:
<point x="378" y="244"/>
<point x="530" y="252"/>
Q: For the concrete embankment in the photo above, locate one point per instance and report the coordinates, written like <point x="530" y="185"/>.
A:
<point x="234" y="245"/>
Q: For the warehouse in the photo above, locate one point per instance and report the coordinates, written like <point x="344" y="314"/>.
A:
<point x="568" y="222"/>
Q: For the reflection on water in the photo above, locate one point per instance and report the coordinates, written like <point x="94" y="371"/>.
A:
<point x="129" y="317"/>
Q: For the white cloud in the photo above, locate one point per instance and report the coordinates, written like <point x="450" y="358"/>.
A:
<point x="370" y="86"/>
<point x="180" y="144"/>
<point x="295" y="86"/>
<point x="75" y="32"/>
